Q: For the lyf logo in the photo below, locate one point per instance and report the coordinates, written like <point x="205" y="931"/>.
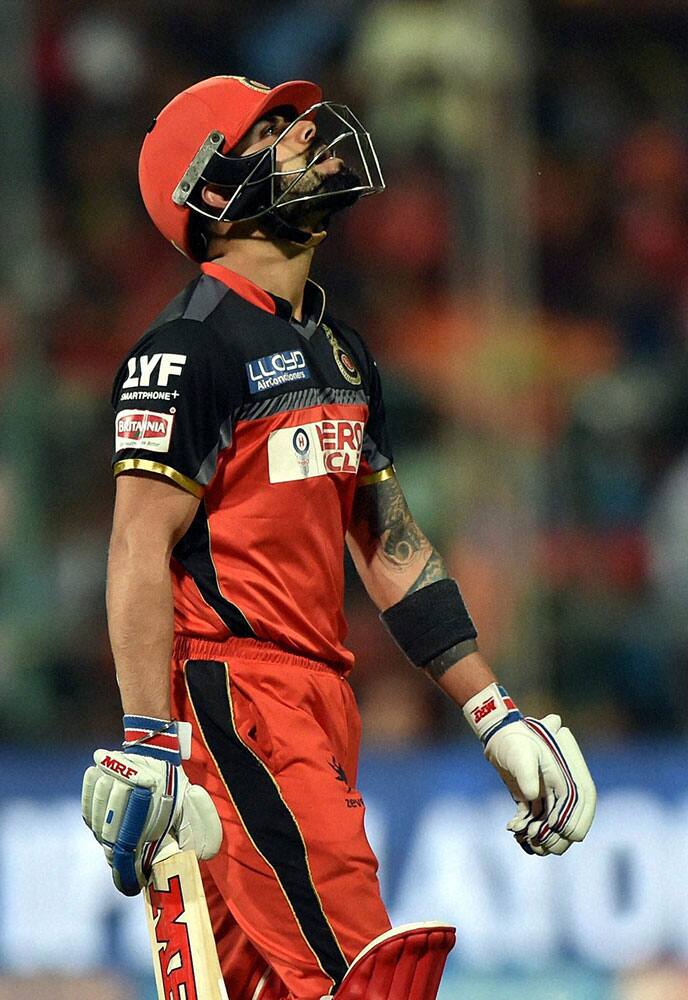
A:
<point x="119" y="767"/>
<point x="174" y="946"/>
<point x="484" y="710"/>
<point x="141" y="369"/>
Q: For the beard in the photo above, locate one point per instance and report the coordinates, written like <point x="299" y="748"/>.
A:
<point x="327" y="194"/>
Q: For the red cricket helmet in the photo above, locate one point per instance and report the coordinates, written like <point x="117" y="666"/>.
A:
<point x="228" y="105"/>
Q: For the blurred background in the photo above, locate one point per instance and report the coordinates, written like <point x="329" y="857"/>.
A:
<point x="524" y="285"/>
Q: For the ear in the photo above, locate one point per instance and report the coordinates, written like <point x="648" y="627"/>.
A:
<point x="213" y="198"/>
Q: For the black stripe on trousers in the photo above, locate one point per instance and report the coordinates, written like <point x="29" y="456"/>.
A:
<point x="267" y="818"/>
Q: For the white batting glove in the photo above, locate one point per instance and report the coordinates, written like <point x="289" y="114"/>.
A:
<point x="542" y="766"/>
<point x="134" y="798"/>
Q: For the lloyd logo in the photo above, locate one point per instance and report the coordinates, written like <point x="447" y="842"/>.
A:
<point x="174" y="946"/>
<point x="143" y="429"/>
<point x="276" y="369"/>
<point x="141" y="369"/>
<point x="483" y="710"/>
<point x="317" y="449"/>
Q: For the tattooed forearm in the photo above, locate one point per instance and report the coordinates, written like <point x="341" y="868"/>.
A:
<point x="441" y="664"/>
<point x="383" y="510"/>
<point x="433" y="570"/>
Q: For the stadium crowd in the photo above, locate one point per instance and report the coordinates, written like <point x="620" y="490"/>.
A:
<point x="588" y="386"/>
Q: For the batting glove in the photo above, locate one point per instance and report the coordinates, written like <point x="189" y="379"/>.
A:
<point x="542" y="766"/>
<point x="134" y="798"/>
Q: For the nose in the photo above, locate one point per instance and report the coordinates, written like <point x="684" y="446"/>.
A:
<point x="304" y="131"/>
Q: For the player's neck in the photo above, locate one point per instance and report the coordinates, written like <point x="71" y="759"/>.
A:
<point x="281" y="269"/>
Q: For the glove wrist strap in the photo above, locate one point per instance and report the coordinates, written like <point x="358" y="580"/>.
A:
<point x="490" y="710"/>
<point x="162" y="739"/>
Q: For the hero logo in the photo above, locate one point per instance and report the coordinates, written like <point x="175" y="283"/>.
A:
<point x="141" y="369"/>
<point x="143" y="429"/>
<point x="317" y="449"/>
<point x="483" y="710"/>
<point x="275" y="369"/>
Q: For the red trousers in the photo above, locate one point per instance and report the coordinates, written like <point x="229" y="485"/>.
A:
<point x="275" y="742"/>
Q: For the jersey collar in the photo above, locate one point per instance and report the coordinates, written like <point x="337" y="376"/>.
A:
<point x="313" y="300"/>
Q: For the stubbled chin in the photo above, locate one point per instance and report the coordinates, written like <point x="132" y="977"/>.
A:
<point x="331" y="166"/>
<point x="310" y="216"/>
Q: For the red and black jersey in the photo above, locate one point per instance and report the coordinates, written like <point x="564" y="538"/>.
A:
<point x="272" y="423"/>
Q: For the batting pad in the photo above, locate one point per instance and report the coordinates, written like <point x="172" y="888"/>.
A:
<point x="405" y="963"/>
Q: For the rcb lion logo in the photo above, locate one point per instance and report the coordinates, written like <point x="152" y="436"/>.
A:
<point x="343" y="359"/>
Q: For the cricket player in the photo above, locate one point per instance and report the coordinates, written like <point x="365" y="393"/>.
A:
<point x="250" y="447"/>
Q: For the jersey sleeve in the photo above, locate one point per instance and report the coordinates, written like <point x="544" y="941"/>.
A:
<point x="376" y="458"/>
<point x="174" y="399"/>
<point x="376" y="453"/>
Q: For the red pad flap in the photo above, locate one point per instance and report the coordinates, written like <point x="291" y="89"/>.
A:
<point x="405" y="963"/>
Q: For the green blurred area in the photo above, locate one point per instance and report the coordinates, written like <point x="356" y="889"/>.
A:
<point x="523" y="283"/>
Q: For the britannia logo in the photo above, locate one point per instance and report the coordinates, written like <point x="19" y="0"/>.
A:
<point x="139" y="425"/>
<point x="144" y="429"/>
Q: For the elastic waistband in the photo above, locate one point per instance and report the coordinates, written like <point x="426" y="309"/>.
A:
<point x="188" y="647"/>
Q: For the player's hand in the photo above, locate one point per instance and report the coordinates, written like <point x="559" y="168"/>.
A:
<point x="135" y="797"/>
<point x="541" y="764"/>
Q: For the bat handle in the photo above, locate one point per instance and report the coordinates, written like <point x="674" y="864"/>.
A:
<point x="124" y="851"/>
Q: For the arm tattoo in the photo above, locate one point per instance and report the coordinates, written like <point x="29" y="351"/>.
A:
<point x="433" y="571"/>
<point x="385" y="512"/>
<point x="441" y="664"/>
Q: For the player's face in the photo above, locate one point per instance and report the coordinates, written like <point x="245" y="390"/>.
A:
<point x="294" y="151"/>
<point x="327" y="175"/>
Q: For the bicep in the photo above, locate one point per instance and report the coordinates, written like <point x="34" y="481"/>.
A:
<point x="151" y="510"/>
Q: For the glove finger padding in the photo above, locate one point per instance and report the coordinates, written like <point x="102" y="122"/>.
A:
<point x="517" y="761"/>
<point x="570" y="791"/>
<point x="526" y="813"/>
<point x="124" y="772"/>
<point x="541" y="765"/>
<point x="522" y="818"/>
<point x="576" y="826"/>
<point x="87" y="794"/>
<point x="106" y="799"/>
<point x="199" y="828"/>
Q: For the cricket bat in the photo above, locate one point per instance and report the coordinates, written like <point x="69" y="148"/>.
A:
<point x="184" y="954"/>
